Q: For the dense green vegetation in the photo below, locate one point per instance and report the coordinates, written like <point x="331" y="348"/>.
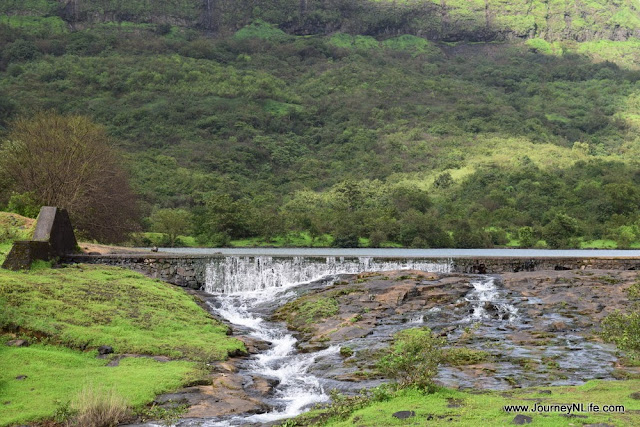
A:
<point x="260" y="135"/>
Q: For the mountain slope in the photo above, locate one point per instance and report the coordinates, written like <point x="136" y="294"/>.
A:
<point x="261" y="132"/>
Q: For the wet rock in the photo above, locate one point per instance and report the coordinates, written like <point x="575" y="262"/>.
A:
<point x="190" y="396"/>
<point x="18" y="343"/>
<point x="350" y="333"/>
<point x="105" y="349"/>
<point x="521" y="419"/>
<point x="224" y="397"/>
<point x="224" y="367"/>
<point x="238" y="352"/>
<point x="254" y="345"/>
<point x="403" y="415"/>
<point x="557" y="327"/>
<point x="312" y="347"/>
<point x="263" y="385"/>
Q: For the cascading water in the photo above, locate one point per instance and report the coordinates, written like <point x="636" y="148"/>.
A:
<point x="489" y="302"/>
<point x="242" y="274"/>
<point x="245" y="285"/>
<point x="297" y="389"/>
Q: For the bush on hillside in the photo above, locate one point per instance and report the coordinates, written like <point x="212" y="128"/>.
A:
<point x="413" y="358"/>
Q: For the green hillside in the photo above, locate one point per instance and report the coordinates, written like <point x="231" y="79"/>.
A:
<point x="379" y="120"/>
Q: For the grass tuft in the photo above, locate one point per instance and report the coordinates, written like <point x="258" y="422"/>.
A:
<point x="98" y="407"/>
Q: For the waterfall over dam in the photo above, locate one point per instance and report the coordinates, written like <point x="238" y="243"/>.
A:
<point x="231" y="273"/>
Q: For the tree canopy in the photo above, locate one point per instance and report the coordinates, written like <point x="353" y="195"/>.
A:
<point x="68" y="161"/>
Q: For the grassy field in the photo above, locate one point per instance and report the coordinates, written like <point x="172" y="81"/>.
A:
<point x="84" y="307"/>
<point x="56" y="376"/>
<point x="67" y="313"/>
<point x="452" y="407"/>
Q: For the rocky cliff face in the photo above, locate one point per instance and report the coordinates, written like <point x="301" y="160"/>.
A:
<point x="446" y="20"/>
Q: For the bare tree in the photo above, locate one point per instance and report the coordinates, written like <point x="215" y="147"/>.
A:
<point x="67" y="161"/>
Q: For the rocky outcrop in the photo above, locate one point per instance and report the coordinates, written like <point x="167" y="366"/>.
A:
<point x="228" y="393"/>
<point x="475" y="21"/>
<point x="536" y="328"/>
<point x="364" y="302"/>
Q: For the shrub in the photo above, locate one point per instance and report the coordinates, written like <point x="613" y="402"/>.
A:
<point x="24" y="204"/>
<point x="526" y="237"/>
<point x="346" y="351"/>
<point x="376" y="238"/>
<point x="21" y="50"/>
<point x="98" y="408"/>
<point x="623" y="329"/>
<point x="413" y="358"/>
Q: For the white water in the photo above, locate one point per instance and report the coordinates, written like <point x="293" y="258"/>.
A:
<point x="243" y="283"/>
<point x="489" y="302"/>
<point x="234" y="274"/>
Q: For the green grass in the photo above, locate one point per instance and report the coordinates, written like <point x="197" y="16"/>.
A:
<point x="156" y="239"/>
<point x="261" y="30"/>
<point x="599" y="244"/>
<point x="13" y="227"/>
<point x="306" y="310"/>
<point x="35" y="25"/>
<point x="84" y="307"/>
<point x="486" y="408"/>
<point x="4" y="250"/>
<point x="56" y="375"/>
<point x="625" y="53"/>
<point x="300" y="240"/>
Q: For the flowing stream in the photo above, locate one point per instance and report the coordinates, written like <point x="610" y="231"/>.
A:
<point x="259" y="286"/>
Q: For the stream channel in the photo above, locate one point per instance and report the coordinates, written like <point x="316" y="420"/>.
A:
<point x="492" y="313"/>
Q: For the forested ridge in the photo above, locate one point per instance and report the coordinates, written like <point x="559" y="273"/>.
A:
<point x="418" y="123"/>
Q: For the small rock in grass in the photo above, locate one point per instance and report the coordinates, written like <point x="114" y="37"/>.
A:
<point x="635" y="395"/>
<point x="18" y="343"/>
<point x="454" y="403"/>
<point x="545" y="392"/>
<point x="21" y="377"/>
<point x="105" y="349"/>
<point x="403" y="415"/>
<point x="522" y="419"/>
<point x="573" y="416"/>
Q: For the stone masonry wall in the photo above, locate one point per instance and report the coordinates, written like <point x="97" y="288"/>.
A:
<point x="182" y="271"/>
<point x="190" y="271"/>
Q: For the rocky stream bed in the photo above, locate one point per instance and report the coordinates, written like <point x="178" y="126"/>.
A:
<point x="516" y="330"/>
